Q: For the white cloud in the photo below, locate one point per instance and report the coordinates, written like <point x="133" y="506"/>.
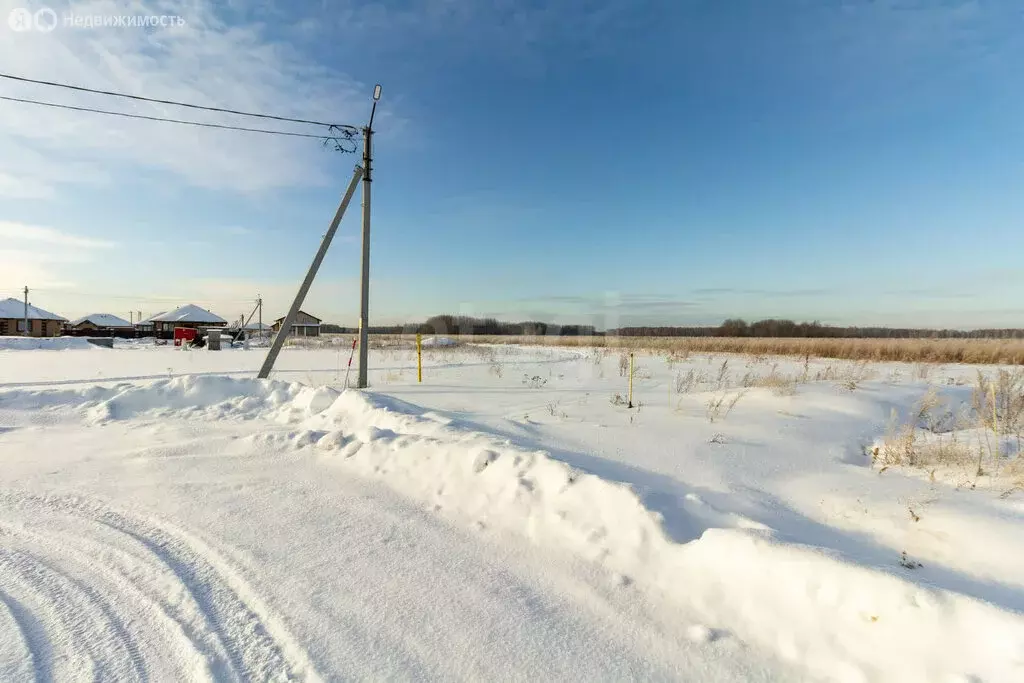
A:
<point x="11" y="231"/>
<point x="38" y="256"/>
<point x="206" y="61"/>
<point x="13" y="187"/>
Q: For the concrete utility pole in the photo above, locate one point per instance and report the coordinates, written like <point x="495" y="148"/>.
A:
<point x="364" y="299"/>
<point x="259" y="307"/>
<point x="27" y="333"/>
<point x="289" y="319"/>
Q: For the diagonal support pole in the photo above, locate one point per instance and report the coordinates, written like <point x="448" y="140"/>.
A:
<point x="289" y="320"/>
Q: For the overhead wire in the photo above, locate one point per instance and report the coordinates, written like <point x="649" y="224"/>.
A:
<point x="166" y="119"/>
<point x="222" y="110"/>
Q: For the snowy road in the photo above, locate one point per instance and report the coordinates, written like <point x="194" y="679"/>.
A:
<point x="177" y="551"/>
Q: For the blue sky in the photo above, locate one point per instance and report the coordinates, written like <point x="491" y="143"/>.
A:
<point x="852" y="161"/>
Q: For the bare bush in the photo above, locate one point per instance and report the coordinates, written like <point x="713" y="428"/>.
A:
<point x="714" y="408"/>
<point x="535" y="382"/>
<point x="555" y="410"/>
<point x="684" y="383"/>
<point x="780" y="385"/>
<point x="718" y="408"/>
<point x="723" y="374"/>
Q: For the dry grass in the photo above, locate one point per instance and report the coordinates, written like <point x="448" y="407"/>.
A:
<point x="987" y="437"/>
<point x="780" y="385"/>
<point x="902" y="446"/>
<point x="976" y="351"/>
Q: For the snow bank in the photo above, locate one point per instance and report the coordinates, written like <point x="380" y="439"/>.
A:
<point x="210" y="397"/>
<point x="837" y="619"/>
<point x="840" y="620"/>
<point x="44" y="343"/>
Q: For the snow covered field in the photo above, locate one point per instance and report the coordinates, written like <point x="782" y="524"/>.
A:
<point x="164" y="516"/>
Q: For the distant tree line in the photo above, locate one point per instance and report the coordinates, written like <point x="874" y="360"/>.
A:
<point x="462" y="324"/>
<point x="734" y="327"/>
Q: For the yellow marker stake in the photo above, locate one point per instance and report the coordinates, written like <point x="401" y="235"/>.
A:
<point x="630" y="380"/>
<point x="419" y="357"/>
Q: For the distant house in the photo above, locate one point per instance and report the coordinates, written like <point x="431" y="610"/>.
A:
<point x="40" y="323"/>
<point x="147" y="326"/>
<point x="189" y="315"/>
<point x="251" y="329"/>
<point x="100" y="325"/>
<point x="305" y="325"/>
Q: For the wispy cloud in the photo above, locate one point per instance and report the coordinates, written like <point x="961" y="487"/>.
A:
<point x="205" y="61"/>
<point x="12" y="232"/>
<point x="38" y="256"/>
<point x="766" y="293"/>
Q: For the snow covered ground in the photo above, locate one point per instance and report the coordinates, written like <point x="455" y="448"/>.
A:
<point x="165" y="516"/>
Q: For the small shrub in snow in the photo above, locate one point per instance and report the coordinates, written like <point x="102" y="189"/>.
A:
<point x="623" y="364"/>
<point x="723" y="375"/>
<point x="829" y="372"/>
<point x="908" y="446"/>
<point x="677" y="356"/>
<point x="535" y="382"/>
<point x="555" y="411"/>
<point x="719" y="409"/>
<point x="496" y="369"/>
<point x="684" y="383"/>
<point x="780" y="385"/>
<point x="999" y="401"/>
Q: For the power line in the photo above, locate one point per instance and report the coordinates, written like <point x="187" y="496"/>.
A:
<point x="345" y="133"/>
<point x="111" y="93"/>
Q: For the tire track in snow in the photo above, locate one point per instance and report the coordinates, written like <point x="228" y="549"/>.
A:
<point x="88" y="637"/>
<point x="17" y="659"/>
<point x="133" y="597"/>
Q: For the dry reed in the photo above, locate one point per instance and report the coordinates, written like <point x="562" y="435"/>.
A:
<point x="974" y="351"/>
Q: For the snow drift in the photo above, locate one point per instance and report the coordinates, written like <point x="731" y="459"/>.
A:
<point x="209" y="397"/>
<point x="44" y="343"/>
<point x="838" y="619"/>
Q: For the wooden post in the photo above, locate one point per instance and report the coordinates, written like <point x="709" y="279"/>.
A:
<point x="630" y="379"/>
<point x="419" y="357"/>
